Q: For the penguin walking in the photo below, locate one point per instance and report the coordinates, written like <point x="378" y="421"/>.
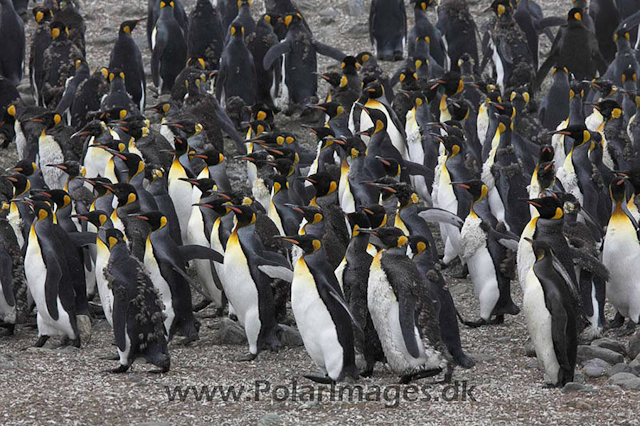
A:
<point x="321" y="314"/>
<point x="551" y="315"/>
<point x="126" y="56"/>
<point x="137" y="311"/>
<point x="402" y="312"/>
<point x="12" y="35"/>
<point x="169" y="48"/>
<point x="388" y="29"/>
<point x="48" y="279"/>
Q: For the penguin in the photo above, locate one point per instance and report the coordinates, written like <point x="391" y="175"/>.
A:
<point x="228" y="10"/>
<point x="126" y="56"/>
<point x="69" y="14"/>
<point x="205" y="34"/>
<point x="158" y="187"/>
<point x="458" y="29"/>
<point x="448" y="323"/>
<point x="388" y="29"/>
<point x="606" y="18"/>
<point x="245" y="281"/>
<point x="300" y="82"/>
<point x="403" y="313"/>
<point x="48" y="279"/>
<point x="551" y="316"/>
<point x="179" y="190"/>
<point x="243" y="19"/>
<point x="554" y="107"/>
<point x="40" y="40"/>
<point x="59" y="61"/>
<point x="322" y="316"/>
<point x="287" y="220"/>
<point x="118" y="99"/>
<point x="137" y="310"/>
<point x="71" y="87"/>
<point x="620" y="253"/>
<point x="484" y="254"/>
<point x="13" y="286"/>
<point x="169" y="48"/>
<point x="88" y="97"/>
<point x="268" y="80"/>
<point x="12" y="34"/>
<point x="237" y="74"/>
<point x="424" y="28"/>
<point x="574" y="48"/>
<point x="153" y="12"/>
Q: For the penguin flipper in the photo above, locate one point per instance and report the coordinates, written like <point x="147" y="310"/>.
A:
<point x="119" y="315"/>
<point x="275" y="52"/>
<point x="81" y="239"/>
<point x="326" y="50"/>
<point x="277" y="272"/>
<point x="188" y="279"/>
<point x="190" y="252"/>
<point x="550" y="21"/>
<point x="547" y="64"/>
<point x="417" y="169"/>
<point x="435" y="214"/>
<point x="52" y="284"/>
<point x="6" y="277"/>
<point x="562" y="271"/>
<point x="407" y="316"/>
<point x="156" y="55"/>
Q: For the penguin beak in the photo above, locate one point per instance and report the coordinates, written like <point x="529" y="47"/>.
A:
<point x="367" y="211"/>
<point x="79" y="216"/>
<point x="533" y="203"/>
<point x="191" y="181"/>
<point x="291" y="240"/>
<point x="561" y="132"/>
<point x="369" y="231"/>
<point x="57" y="166"/>
<point x="80" y="133"/>
<point x="295" y="208"/>
<point x="383" y="161"/>
<point x="142" y="217"/>
<point x="529" y="240"/>
<point x="235" y="209"/>
<point x="461" y="185"/>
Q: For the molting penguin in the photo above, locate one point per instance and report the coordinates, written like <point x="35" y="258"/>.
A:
<point x="205" y="34"/>
<point x="322" y="315"/>
<point x="388" y="29"/>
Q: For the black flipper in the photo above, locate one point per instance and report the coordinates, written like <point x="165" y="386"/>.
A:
<point x="406" y="313"/>
<point x="193" y="251"/>
<point x="329" y="51"/>
<point x="275" y="52"/>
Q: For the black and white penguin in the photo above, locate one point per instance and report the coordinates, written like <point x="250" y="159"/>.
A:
<point x="126" y="56"/>
<point x="169" y="48"/>
<point x="402" y="312"/>
<point x="237" y="73"/>
<point x="388" y="29"/>
<point x="322" y="316"/>
<point x="137" y="310"/>
<point x="551" y="315"/>
<point x="48" y="279"/>
<point x="40" y="40"/>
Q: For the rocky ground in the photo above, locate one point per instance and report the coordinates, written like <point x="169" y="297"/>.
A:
<point x="69" y="386"/>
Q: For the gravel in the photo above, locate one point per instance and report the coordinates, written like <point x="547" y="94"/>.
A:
<point x="69" y="386"/>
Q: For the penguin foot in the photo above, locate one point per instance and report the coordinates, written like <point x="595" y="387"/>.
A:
<point x="41" y="341"/>
<point x="464" y="361"/>
<point x="75" y="342"/>
<point x="247" y="357"/>
<point x="319" y="379"/>
<point x="84" y="327"/>
<point x="120" y="369"/>
<point x="408" y="378"/>
<point x="499" y="319"/>
<point x="474" y="324"/>
<point x="8" y="330"/>
<point x="200" y="306"/>
<point x="114" y="357"/>
<point x="617" y="322"/>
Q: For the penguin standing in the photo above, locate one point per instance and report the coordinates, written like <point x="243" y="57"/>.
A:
<point x="237" y="74"/>
<point x="169" y="48"/>
<point x="458" y="29"/>
<point x="205" y="34"/>
<point x="40" y="40"/>
<point x="137" y="311"/>
<point x="126" y="56"/>
<point x="48" y="279"/>
<point x="388" y="29"/>
<point x="551" y="316"/>
<point x="268" y="80"/>
<point x="321" y="314"/>
<point x="12" y="36"/>
<point x="402" y="312"/>
<point x="554" y="108"/>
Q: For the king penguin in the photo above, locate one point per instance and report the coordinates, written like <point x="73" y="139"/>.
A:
<point x="126" y="56"/>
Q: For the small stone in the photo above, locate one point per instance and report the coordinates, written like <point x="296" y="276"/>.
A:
<point x="327" y="20"/>
<point x="231" y="333"/>
<point x="270" y="419"/>
<point x="290" y="337"/>
<point x="581" y="405"/>
<point x="625" y="380"/>
<point x="636" y="363"/>
<point x="610" y="344"/>
<point x="529" y="349"/>
<point x="480" y="357"/>
<point x="309" y="405"/>
<point x="596" y="367"/>
<point x="634" y="346"/>
<point x="586" y="353"/>
<point x="533" y="364"/>
<point x="573" y="387"/>
<point x="7" y="362"/>
<point x="579" y="378"/>
<point x="622" y="368"/>
<point x="329" y="12"/>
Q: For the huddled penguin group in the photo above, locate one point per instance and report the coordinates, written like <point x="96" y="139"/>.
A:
<point x="124" y="210"/>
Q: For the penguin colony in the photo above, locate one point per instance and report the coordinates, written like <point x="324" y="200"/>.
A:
<point x="107" y="216"/>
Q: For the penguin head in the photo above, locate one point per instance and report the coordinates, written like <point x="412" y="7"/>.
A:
<point x="575" y="15"/>
<point x="546" y="174"/>
<point x="218" y="202"/>
<point x="418" y="244"/>
<point x="134" y="163"/>
<point x="19" y="182"/>
<point x="322" y="132"/>
<point x="236" y="30"/>
<point x="547" y="153"/>
<point x="187" y="126"/>
<point x="605" y="87"/>
<point x="406" y="195"/>
<point x="451" y="83"/>
<point x="630" y="77"/>
<point x="372" y="88"/>
<point x="376" y="214"/>
<point x="211" y="156"/>
<point x="127" y="26"/>
<point x="323" y="183"/>
<point x="378" y="118"/>
<point x="452" y="145"/>
<point x="113" y="237"/>
<point x="312" y="214"/>
<point x="124" y="192"/>
<point x="155" y="219"/>
<point x="49" y="119"/>
<point x="609" y="109"/>
<point x="475" y="187"/>
<point x="245" y="214"/>
<point x="97" y="218"/>
<point x="422" y="4"/>
<point x="292" y="19"/>
<point x="261" y="111"/>
<point x="389" y="237"/>
<point x="59" y="31"/>
<point x="501" y="8"/>
<point x="358" y="220"/>
<point x="550" y="207"/>
<point x="42" y="14"/>
<point x="59" y="197"/>
<point x="618" y="188"/>
<point x="169" y="4"/>
<point x="278" y="183"/>
<point x="244" y="3"/>
<point x="622" y="34"/>
<point x="391" y="166"/>
<point x="334" y="78"/>
<point x="350" y="65"/>
<point x="578" y="132"/>
<point x="459" y="109"/>
<point x="116" y="75"/>
<point x="520" y="95"/>
<point x="332" y="109"/>
<point x="99" y="185"/>
<point x="309" y="243"/>
<point x="408" y="77"/>
<point x="42" y="209"/>
<point x="466" y="64"/>
<point x="364" y="57"/>
<point x="25" y="167"/>
<point x="205" y="185"/>
<point x="162" y="108"/>
<point x="181" y="147"/>
<point x="284" y="167"/>
<point x="196" y="62"/>
<point x="504" y="123"/>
